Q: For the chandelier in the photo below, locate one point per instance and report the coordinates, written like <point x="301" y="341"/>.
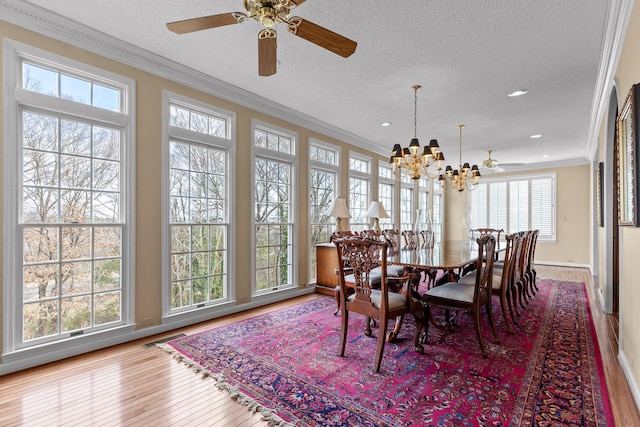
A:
<point x="465" y="177"/>
<point x="413" y="160"/>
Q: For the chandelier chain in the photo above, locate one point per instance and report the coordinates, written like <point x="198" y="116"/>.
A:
<point x="415" y="111"/>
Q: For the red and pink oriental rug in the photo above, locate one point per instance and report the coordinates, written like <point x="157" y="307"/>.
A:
<point x="285" y="365"/>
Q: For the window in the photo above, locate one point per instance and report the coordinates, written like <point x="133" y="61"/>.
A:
<point x="274" y="207"/>
<point x="68" y="198"/>
<point x="359" y="192"/>
<point x="437" y="216"/>
<point x="323" y="188"/>
<point x="197" y="204"/>
<point x="407" y="209"/>
<point x="424" y="204"/>
<point x="516" y="204"/>
<point x="386" y="191"/>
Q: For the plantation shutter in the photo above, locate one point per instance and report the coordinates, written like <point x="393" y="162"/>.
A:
<point x="498" y="205"/>
<point x="518" y="206"/>
<point x="542" y="208"/>
<point x="479" y="207"/>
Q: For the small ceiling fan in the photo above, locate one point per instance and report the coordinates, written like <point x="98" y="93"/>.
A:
<point x="269" y="14"/>
<point x="495" y="164"/>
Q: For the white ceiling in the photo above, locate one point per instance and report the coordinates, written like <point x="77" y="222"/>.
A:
<point x="467" y="55"/>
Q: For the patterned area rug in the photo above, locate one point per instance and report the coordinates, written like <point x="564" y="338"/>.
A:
<point x="285" y="364"/>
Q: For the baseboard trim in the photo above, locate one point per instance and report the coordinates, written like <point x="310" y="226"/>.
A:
<point x="36" y="357"/>
<point x="628" y="374"/>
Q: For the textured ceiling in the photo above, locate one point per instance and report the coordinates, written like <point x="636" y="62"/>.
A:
<point x="467" y="55"/>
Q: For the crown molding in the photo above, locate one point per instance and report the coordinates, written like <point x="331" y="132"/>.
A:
<point x="614" y="34"/>
<point x="557" y="164"/>
<point x="42" y="21"/>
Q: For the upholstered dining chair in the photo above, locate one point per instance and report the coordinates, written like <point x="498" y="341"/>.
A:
<point x="527" y="290"/>
<point x="502" y="283"/>
<point x="371" y="234"/>
<point x="428" y="239"/>
<point x="393" y="271"/>
<point x="495" y="232"/>
<point x="518" y="280"/>
<point x="410" y="240"/>
<point x="461" y="297"/>
<point x="530" y="271"/>
<point x="392" y="237"/>
<point x="364" y="256"/>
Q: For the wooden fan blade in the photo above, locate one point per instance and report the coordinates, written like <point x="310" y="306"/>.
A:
<point x="267" y="46"/>
<point x="206" y="22"/>
<point x="297" y="2"/>
<point x="321" y="36"/>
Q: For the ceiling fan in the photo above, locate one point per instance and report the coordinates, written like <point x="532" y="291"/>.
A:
<point x="495" y="164"/>
<point x="269" y="14"/>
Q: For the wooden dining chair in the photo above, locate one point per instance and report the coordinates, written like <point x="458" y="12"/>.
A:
<point x="410" y="240"/>
<point x="518" y="279"/>
<point x="364" y="256"/>
<point x="461" y="297"/>
<point x="502" y="283"/>
<point x="428" y="239"/>
<point x="530" y="271"/>
<point x="371" y="234"/>
<point x="495" y="232"/>
<point x="392" y="237"/>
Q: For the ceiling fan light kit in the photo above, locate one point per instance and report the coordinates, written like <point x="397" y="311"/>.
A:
<point x="269" y="14"/>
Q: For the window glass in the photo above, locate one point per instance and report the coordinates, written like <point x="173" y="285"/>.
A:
<point x="198" y="206"/>
<point x="273" y="207"/>
<point x="83" y="90"/>
<point x="323" y="185"/>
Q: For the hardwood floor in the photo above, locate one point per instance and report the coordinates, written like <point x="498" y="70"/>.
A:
<point x="134" y="385"/>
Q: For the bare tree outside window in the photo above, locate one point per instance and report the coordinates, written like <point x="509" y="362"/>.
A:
<point x="273" y="201"/>
<point x="197" y="211"/>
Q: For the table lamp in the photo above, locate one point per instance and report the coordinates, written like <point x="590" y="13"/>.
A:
<point x="376" y="211"/>
<point x="339" y="210"/>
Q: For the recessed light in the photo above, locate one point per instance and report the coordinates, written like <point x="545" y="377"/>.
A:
<point x="385" y="124"/>
<point x="536" y="136"/>
<point x="519" y="92"/>
<point x="545" y="156"/>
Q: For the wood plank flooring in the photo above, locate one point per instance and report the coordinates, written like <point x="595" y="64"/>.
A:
<point x="134" y="385"/>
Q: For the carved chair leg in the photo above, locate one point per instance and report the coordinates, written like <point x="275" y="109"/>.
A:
<point x="521" y="294"/>
<point x="343" y="335"/>
<point x="380" y="344"/>
<point x="491" y="322"/>
<point x="419" y="315"/>
<point x="336" y="293"/>
<point x="503" y="306"/>
<point x="476" y="323"/>
<point x="396" y="329"/>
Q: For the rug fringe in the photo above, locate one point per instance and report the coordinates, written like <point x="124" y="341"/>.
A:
<point x="267" y="414"/>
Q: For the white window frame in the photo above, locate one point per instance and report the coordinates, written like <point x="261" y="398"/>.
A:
<point x="408" y="184"/>
<point x="15" y="100"/>
<point x="437" y="211"/>
<point x="550" y="238"/>
<point x="325" y="167"/>
<point x="365" y="176"/>
<point x="390" y="207"/>
<point x="292" y="159"/>
<point x="228" y="143"/>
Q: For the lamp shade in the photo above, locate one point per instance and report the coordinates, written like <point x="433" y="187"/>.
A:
<point x="376" y="210"/>
<point x="338" y="209"/>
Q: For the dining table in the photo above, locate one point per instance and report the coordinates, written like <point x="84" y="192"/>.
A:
<point x="452" y="258"/>
<point x="432" y="267"/>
